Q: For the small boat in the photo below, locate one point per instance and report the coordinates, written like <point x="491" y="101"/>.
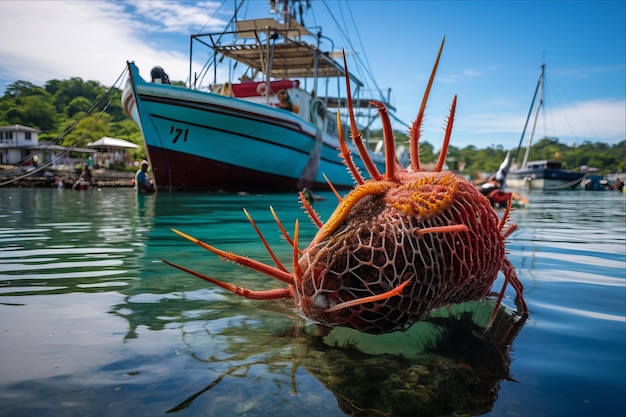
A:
<point x="234" y="137"/>
<point x="500" y="198"/>
<point x="546" y="174"/>
<point x="493" y="188"/>
<point x="81" y="185"/>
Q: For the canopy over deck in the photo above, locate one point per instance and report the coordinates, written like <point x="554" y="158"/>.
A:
<point x="289" y="58"/>
<point x="293" y="30"/>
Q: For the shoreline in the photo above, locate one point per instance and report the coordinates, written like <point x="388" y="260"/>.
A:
<point x="49" y="178"/>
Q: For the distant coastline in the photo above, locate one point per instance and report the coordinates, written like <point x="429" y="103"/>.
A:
<point x="48" y="178"/>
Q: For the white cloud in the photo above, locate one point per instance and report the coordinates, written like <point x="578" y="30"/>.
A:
<point x="93" y="40"/>
<point x="44" y="40"/>
<point x="181" y="17"/>
<point x="592" y="119"/>
<point x="587" y="72"/>
<point x="464" y="74"/>
<point x="595" y="120"/>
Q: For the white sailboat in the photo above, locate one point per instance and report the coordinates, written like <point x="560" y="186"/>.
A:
<point x="543" y="174"/>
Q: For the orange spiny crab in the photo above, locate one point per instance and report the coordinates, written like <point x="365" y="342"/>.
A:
<point x="399" y="245"/>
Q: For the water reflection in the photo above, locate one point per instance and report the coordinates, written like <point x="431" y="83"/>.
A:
<point x="95" y="324"/>
<point x="59" y="241"/>
<point x="447" y="365"/>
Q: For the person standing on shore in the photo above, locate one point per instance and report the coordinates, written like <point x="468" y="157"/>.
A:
<point x="142" y="183"/>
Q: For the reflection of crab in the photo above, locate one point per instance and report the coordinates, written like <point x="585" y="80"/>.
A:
<point x="445" y="365"/>
<point x="399" y="245"/>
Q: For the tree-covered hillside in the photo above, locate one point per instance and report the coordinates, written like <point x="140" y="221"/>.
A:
<point x="69" y="112"/>
<point x="607" y="158"/>
<point x="75" y="112"/>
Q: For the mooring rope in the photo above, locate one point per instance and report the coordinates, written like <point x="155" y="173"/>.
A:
<point x="570" y="184"/>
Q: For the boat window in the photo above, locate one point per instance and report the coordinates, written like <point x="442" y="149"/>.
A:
<point x="331" y="126"/>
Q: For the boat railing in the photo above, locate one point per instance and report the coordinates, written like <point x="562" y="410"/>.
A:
<point x="275" y="51"/>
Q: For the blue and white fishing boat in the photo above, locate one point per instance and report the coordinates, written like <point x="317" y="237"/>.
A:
<point x="234" y="137"/>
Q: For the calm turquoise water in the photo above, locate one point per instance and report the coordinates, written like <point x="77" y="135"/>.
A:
<point x="92" y="323"/>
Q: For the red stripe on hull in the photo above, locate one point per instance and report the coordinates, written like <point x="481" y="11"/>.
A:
<point x="181" y="171"/>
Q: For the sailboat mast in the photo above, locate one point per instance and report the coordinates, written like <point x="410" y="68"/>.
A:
<point x="539" y="104"/>
<point x="530" y="112"/>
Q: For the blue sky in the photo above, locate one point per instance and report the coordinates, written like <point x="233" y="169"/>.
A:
<point x="492" y="57"/>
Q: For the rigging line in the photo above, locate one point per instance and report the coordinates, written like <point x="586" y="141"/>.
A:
<point x="107" y="94"/>
<point x="203" y="72"/>
<point x="569" y="184"/>
<point x="343" y="34"/>
<point x="73" y="125"/>
<point x="365" y="64"/>
<point x="211" y="17"/>
<point x="394" y="117"/>
<point x="97" y="104"/>
<point x="570" y="103"/>
<point x="364" y="69"/>
<point x="19" y="177"/>
<point x="207" y="64"/>
<point x="33" y="172"/>
<point x="550" y="98"/>
<point x="96" y="120"/>
<point x="528" y="116"/>
<point x="361" y="68"/>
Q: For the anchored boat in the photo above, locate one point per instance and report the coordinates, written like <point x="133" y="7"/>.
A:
<point x="541" y="174"/>
<point x="235" y="137"/>
<point x="545" y="174"/>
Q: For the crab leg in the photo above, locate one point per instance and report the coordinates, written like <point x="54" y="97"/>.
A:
<point x="309" y="210"/>
<point x="240" y="291"/>
<point x="346" y="154"/>
<point x="277" y="262"/>
<point x="509" y="277"/>
<point x="416" y="129"/>
<point x="446" y="139"/>
<point x="390" y="150"/>
<point x="356" y="135"/>
<point x="370" y="299"/>
<point x="332" y="188"/>
<point x="454" y="228"/>
<point x="242" y="260"/>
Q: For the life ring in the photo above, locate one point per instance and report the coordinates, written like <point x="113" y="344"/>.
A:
<point x="317" y="110"/>
<point x="261" y="89"/>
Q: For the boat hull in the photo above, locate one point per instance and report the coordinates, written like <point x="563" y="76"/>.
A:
<point x="203" y="141"/>
<point x="543" y="179"/>
<point x="182" y="171"/>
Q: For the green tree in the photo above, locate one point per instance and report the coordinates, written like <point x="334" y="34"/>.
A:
<point x="78" y="105"/>
<point x="33" y="111"/>
<point x="76" y="112"/>
<point x="89" y="129"/>
<point x="76" y="87"/>
<point x="22" y="89"/>
<point x="427" y="152"/>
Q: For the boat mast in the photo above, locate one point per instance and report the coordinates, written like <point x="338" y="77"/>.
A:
<point x="539" y="104"/>
<point x="530" y="112"/>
